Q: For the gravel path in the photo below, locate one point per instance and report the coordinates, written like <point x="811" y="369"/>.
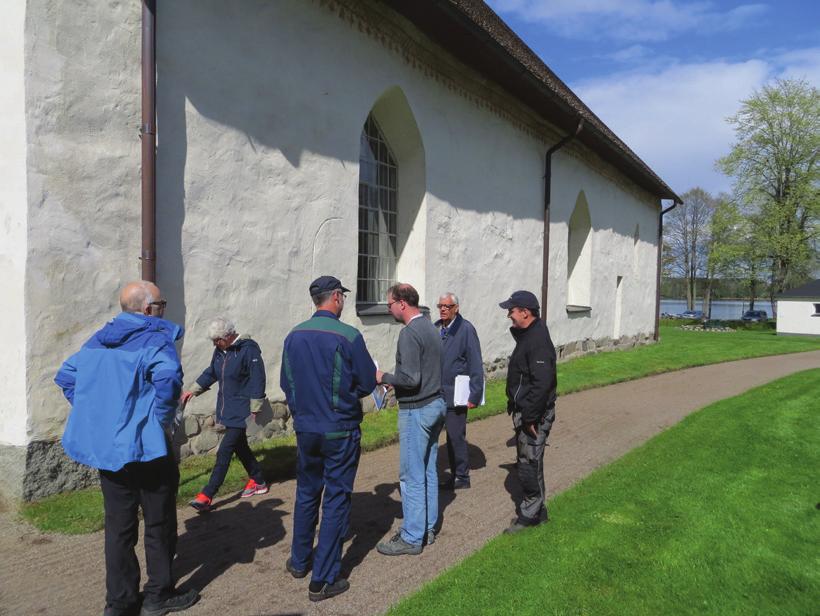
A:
<point x="244" y="544"/>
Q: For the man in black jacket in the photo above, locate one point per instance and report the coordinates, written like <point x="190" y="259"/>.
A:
<point x="531" y="384"/>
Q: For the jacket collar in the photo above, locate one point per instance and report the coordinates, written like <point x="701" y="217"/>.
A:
<point x="324" y="313"/>
<point x="454" y="325"/>
<point x="518" y="334"/>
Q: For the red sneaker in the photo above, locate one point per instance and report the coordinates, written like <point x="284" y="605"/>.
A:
<point x="252" y="488"/>
<point x="201" y="503"/>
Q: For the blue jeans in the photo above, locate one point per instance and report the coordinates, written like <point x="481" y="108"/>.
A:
<point x="325" y="471"/>
<point x="235" y="441"/>
<point x="418" y="435"/>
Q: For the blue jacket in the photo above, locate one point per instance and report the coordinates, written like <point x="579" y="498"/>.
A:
<point x="123" y="386"/>
<point x="241" y="376"/>
<point x="325" y="370"/>
<point x="461" y="354"/>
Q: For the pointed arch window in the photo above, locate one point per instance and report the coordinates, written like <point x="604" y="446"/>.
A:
<point x="378" y="189"/>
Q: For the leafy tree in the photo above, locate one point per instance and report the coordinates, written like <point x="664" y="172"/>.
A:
<point x="774" y="163"/>
<point x="724" y="245"/>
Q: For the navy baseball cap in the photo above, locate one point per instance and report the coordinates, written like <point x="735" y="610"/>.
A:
<point x="521" y="299"/>
<point x="323" y="284"/>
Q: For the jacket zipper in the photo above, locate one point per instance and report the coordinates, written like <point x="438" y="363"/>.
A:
<point x="515" y="397"/>
<point x="222" y="387"/>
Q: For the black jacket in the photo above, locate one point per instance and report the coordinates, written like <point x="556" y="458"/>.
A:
<point x="531" y="378"/>
<point x="240" y="372"/>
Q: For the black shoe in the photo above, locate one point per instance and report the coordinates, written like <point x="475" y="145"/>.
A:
<point x="319" y="591"/>
<point x="518" y="524"/>
<point x="297" y="573"/>
<point x="461" y="484"/>
<point x="447" y="485"/>
<point x="175" y="603"/>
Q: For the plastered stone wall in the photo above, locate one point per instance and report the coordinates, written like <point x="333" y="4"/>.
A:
<point x="260" y="110"/>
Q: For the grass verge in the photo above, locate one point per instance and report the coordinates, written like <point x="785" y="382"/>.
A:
<point x="81" y="511"/>
<point x="717" y="515"/>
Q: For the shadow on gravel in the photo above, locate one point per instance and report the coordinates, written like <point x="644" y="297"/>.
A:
<point x="512" y="485"/>
<point x="371" y="518"/>
<point x="215" y="541"/>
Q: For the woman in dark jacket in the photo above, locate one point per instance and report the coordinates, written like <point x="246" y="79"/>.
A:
<point x="238" y="368"/>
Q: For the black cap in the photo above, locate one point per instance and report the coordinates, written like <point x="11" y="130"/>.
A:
<point x="521" y="299"/>
<point x="323" y="284"/>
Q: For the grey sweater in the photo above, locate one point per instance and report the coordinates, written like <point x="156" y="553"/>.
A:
<point x="417" y="379"/>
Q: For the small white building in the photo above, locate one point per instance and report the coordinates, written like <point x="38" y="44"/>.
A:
<point x="375" y="140"/>
<point x="798" y="310"/>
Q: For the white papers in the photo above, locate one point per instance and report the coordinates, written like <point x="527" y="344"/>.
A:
<point x="379" y="396"/>
<point x="461" y="393"/>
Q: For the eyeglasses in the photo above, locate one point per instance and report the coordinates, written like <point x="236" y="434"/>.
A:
<point x="396" y="301"/>
<point x="447" y="306"/>
<point x="160" y="303"/>
<point x="342" y="293"/>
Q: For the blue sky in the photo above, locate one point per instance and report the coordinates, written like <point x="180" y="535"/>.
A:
<point x="665" y="74"/>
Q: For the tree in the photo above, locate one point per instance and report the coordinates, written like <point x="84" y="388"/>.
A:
<point x="725" y="244"/>
<point x="685" y="231"/>
<point x="774" y="163"/>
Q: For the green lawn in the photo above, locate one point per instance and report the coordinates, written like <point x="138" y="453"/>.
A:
<point x="717" y="515"/>
<point x="81" y="511"/>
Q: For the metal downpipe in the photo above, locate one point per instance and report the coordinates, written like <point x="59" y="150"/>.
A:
<point x="547" y="193"/>
<point x="658" y="273"/>
<point x="148" y="139"/>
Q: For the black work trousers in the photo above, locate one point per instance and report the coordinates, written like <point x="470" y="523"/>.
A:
<point x="153" y="487"/>
<point x="457" y="453"/>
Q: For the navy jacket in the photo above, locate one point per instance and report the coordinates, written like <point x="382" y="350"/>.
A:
<point x="461" y="354"/>
<point x="123" y="386"/>
<point x="241" y="376"/>
<point x="325" y="370"/>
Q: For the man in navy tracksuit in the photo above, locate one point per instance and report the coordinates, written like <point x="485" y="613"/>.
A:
<point x="237" y="366"/>
<point x="460" y="355"/>
<point x="325" y="370"/>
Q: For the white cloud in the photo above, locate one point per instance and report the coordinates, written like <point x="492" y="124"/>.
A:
<point x="675" y="118"/>
<point x="628" y="20"/>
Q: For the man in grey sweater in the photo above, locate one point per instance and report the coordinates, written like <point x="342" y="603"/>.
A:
<point x="417" y="382"/>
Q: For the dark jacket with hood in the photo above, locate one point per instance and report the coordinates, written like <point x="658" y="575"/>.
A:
<point x="531" y="378"/>
<point x="461" y="354"/>
<point x="240" y="372"/>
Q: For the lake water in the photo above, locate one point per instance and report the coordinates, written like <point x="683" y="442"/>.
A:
<point x="721" y="309"/>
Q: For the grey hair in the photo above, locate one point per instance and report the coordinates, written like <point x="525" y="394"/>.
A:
<point x="321" y="298"/>
<point x="453" y="297"/>
<point x="220" y="327"/>
<point x="138" y="299"/>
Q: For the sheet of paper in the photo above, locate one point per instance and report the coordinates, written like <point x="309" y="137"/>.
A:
<point x="462" y="391"/>
<point x="380" y="393"/>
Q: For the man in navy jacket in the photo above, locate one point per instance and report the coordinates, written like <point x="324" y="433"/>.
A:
<point x="238" y="368"/>
<point x="325" y="370"/>
<point x="123" y="386"/>
<point x="460" y="355"/>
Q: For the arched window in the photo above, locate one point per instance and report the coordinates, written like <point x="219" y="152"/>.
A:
<point x="579" y="254"/>
<point x="378" y="190"/>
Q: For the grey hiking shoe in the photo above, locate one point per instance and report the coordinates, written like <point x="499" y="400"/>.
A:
<point x="297" y="573"/>
<point x="431" y="537"/>
<point x="398" y="546"/>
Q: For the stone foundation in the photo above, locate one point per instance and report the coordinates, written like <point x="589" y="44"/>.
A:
<point x="42" y="469"/>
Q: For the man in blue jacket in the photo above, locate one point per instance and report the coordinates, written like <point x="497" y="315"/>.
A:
<point x="238" y="368"/>
<point x="325" y="370"/>
<point x="460" y="356"/>
<point x="123" y="386"/>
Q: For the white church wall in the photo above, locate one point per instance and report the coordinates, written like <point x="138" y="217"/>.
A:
<point x="13" y="241"/>
<point x="260" y="113"/>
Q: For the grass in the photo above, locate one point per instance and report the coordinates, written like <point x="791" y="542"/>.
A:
<point x="717" y="515"/>
<point x="81" y="511"/>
